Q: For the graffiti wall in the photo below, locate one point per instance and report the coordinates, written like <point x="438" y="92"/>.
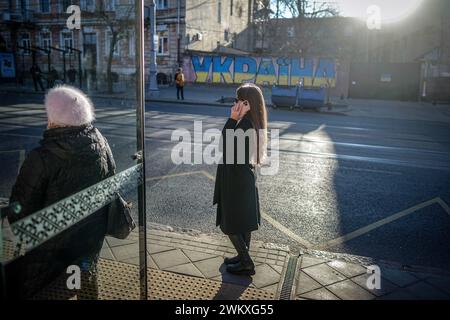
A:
<point x="260" y="70"/>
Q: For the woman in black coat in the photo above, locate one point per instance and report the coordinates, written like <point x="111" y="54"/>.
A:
<point x="73" y="155"/>
<point x="244" y="141"/>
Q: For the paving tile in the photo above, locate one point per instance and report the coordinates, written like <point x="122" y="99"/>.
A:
<point x="347" y="269"/>
<point x="245" y="281"/>
<point x="211" y="268"/>
<point x="125" y="252"/>
<point x="442" y="283"/>
<point x="398" y="277"/>
<point x="195" y="256"/>
<point x="272" y="288"/>
<point x="310" y="261"/>
<point x="133" y="261"/>
<point x="113" y="242"/>
<point x="187" y="269"/>
<point x="156" y="248"/>
<point x="277" y="268"/>
<point x="305" y="284"/>
<point x="385" y="285"/>
<point x="151" y="263"/>
<point x="324" y="274"/>
<point x="425" y="291"/>
<point x="169" y="259"/>
<point x="265" y="276"/>
<point x="348" y="290"/>
<point x="106" y="254"/>
<point x="261" y="254"/>
<point x="259" y="260"/>
<point x="319" y="294"/>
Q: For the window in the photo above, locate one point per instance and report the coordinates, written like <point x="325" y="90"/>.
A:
<point x="132" y="44"/>
<point x="64" y="4"/>
<point x="108" y="38"/>
<point x="290" y="32"/>
<point x="87" y="5"/>
<point x="163" y="43"/>
<point x="24" y="4"/>
<point x="110" y="5"/>
<point x="231" y="7"/>
<point x="66" y="39"/>
<point x="162" y="4"/>
<point x="46" y="40"/>
<point x="226" y="35"/>
<point x="219" y="11"/>
<point x="25" y="42"/>
<point x="44" y="6"/>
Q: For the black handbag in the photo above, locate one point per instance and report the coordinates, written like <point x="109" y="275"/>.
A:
<point x="120" y="222"/>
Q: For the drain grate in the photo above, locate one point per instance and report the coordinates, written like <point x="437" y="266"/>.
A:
<point x="289" y="277"/>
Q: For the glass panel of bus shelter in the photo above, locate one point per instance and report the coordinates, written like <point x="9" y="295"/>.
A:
<point x="59" y="181"/>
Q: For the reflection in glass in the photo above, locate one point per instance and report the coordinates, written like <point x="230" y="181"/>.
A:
<point x="73" y="149"/>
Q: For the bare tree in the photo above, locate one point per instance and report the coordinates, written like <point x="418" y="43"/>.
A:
<point x="119" y="23"/>
<point x="308" y="28"/>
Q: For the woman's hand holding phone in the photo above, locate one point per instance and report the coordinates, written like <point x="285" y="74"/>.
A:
<point x="239" y="110"/>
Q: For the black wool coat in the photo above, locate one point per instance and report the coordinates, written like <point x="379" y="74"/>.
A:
<point x="235" y="192"/>
<point x="67" y="161"/>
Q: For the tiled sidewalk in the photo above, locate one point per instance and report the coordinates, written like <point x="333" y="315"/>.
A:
<point x="318" y="275"/>
<point x="319" y="278"/>
<point x="201" y="257"/>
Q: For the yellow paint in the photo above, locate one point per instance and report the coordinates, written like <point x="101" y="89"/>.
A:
<point x="226" y="77"/>
<point x="241" y="77"/>
<point x="283" y="80"/>
<point x="201" y="76"/>
<point x="261" y="79"/>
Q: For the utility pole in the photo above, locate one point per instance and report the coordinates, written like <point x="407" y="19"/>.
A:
<point x="152" y="87"/>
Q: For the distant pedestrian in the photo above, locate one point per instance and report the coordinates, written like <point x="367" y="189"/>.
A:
<point x="235" y="191"/>
<point x="36" y="75"/>
<point x="53" y="77"/>
<point x="72" y="75"/>
<point x="179" y="82"/>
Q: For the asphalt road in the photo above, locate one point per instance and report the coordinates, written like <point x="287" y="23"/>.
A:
<point x="366" y="186"/>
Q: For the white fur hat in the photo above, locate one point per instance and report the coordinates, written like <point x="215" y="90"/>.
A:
<point x="68" y="106"/>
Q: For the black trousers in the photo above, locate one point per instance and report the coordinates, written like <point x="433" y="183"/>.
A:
<point x="180" y="90"/>
<point x="37" y="80"/>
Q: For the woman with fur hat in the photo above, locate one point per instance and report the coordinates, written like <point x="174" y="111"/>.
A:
<point x="73" y="155"/>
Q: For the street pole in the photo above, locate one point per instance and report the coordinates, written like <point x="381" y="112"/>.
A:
<point x="178" y="34"/>
<point x="152" y="87"/>
<point x="140" y="141"/>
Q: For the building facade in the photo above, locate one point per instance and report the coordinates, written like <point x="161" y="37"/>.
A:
<point x="36" y="31"/>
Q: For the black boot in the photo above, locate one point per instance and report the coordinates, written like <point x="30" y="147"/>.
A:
<point x="247" y="238"/>
<point x="245" y="266"/>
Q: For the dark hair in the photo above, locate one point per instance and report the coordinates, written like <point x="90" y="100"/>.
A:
<point x="257" y="114"/>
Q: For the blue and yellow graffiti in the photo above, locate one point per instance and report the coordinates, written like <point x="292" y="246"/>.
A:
<point x="263" y="71"/>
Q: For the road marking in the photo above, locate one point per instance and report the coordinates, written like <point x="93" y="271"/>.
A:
<point x="382" y="222"/>
<point x="274" y="223"/>
<point x="286" y="231"/>
<point x="444" y="205"/>
<point x="173" y="175"/>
